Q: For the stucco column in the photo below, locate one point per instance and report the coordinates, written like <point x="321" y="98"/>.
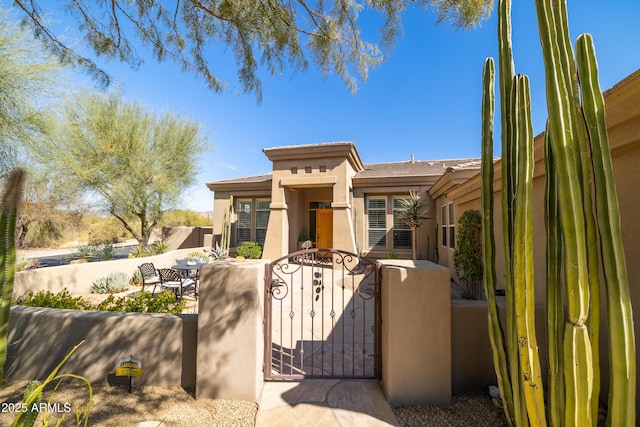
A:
<point x="276" y="242"/>
<point x="416" y="333"/>
<point x="230" y="331"/>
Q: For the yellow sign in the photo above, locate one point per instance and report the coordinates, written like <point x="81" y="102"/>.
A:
<point x="129" y="367"/>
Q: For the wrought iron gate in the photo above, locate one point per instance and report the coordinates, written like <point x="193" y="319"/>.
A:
<point x="322" y="316"/>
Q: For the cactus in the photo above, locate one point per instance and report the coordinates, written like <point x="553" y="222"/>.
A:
<point x="488" y="241"/>
<point x="32" y="393"/>
<point x="225" y="238"/>
<point x="621" y="335"/>
<point x="11" y="200"/>
<point x="578" y="165"/>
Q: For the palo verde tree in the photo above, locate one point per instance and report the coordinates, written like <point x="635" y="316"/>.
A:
<point x="28" y="77"/>
<point x="580" y="193"/>
<point x="275" y="34"/>
<point x="136" y="162"/>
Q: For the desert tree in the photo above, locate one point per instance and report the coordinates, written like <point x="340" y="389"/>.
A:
<point x="274" y="34"/>
<point x="136" y="162"/>
<point x="29" y="76"/>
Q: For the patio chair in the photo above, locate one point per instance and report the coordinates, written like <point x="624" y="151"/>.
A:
<point x="172" y="279"/>
<point x="149" y="275"/>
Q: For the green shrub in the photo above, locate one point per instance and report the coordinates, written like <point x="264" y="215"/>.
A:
<point x="144" y="302"/>
<point x="110" y="284"/>
<point x="62" y="299"/>
<point x="249" y="250"/>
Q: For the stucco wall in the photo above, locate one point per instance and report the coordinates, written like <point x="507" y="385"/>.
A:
<point x="416" y="333"/>
<point x="39" y="338"/>
<point x="471" y="353"/>
<point x="187" y="237"/>
<point x="77" y="278"/>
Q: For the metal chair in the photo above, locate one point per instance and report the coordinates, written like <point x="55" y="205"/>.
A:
<point x="150" y="275"/>
<point x="172" y="279"/>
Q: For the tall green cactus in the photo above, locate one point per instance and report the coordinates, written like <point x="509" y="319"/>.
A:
<point x="488" y="241"/>
<point x="621" y="335"/>
<point x="225" y="238"/>
<point x="11" y="199"/>
<point x="578" y="165"/>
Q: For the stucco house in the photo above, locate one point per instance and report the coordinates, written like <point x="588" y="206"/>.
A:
<point x="327" y="193"/>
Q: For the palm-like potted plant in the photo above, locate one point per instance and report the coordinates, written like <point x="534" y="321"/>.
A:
<point x="413" y="212"/>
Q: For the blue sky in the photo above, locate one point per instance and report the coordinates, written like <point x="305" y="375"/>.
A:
<point x="424" y="100"/>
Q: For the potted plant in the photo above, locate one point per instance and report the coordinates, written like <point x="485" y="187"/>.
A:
<point x="303" y="238"/>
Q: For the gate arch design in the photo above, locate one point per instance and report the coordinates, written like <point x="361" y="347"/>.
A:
<point x="322" y="316"/>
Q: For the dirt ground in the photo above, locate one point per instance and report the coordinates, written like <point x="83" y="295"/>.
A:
<point x="115" y="406"/>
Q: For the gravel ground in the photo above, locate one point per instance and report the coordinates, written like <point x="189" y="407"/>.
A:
<point x="467" y="409"/>
<point x="175" y="407"/>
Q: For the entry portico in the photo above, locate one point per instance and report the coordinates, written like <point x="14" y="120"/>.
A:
<point x="311" y="190"/>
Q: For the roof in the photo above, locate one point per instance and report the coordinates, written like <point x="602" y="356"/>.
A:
<point x="246" y="181"/>
<point x="416" y="168"/>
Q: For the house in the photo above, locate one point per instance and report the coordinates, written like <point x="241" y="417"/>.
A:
<point x="328" y="194"/>
<point x="324" y="192"/>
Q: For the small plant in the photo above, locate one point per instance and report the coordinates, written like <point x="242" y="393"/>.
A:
<point x="392" y="255"/>
<point x="62" y="299"/>
<point x="136" y="278"/>
<point x="158" y="248"/>
<point x="249" y="250"/>
<point x="198" y="257"/>
<point x="110" y="284"/>
<point x="144" y="302"/>
<point x="303" y="236"/>
<point x="106" y="251"/>
<point x="33" y="396"/>
<point x="28" y="264"/>
<point x="87" y="252"/>
<point x="218" y="252"/>
<point x="140" y="252"/>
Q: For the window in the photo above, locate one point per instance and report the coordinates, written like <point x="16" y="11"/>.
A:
<point x="262" y="219"/>
<point x="252" y="220"/>
<point x="452" y="227"/>
<point x="243" y="223"/>
<point x="401" y="231"/>
<point x="443" y="229"/>
<point x="377" y="216"/>
<point x="447" y="215"/>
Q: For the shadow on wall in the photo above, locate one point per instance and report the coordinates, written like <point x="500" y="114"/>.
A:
<point x="39" y="338"/>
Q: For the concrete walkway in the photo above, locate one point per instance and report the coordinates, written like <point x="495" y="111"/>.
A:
<point x="330" y="403"/>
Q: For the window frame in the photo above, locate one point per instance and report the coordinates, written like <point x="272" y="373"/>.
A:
<point x="402" y="228"/>
<point x="240" y="226"/>
<point x="378" y="245"/>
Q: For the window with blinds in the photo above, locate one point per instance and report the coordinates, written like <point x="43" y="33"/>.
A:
<point x="377" y="217"/>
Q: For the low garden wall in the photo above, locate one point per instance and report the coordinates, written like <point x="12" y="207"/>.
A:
<point x="471" y="353"/>
<point x="77" y="278"/>
<point x="431" y="345"/>
<point x="39" y="338"/>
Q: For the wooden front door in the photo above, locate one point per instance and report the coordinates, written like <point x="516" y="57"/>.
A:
<point x="324" y="228"/>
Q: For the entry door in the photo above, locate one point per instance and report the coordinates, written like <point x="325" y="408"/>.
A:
<point x="324" y="228"/>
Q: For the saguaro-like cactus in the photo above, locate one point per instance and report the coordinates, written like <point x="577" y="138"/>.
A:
<point x="11" y="199"/>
